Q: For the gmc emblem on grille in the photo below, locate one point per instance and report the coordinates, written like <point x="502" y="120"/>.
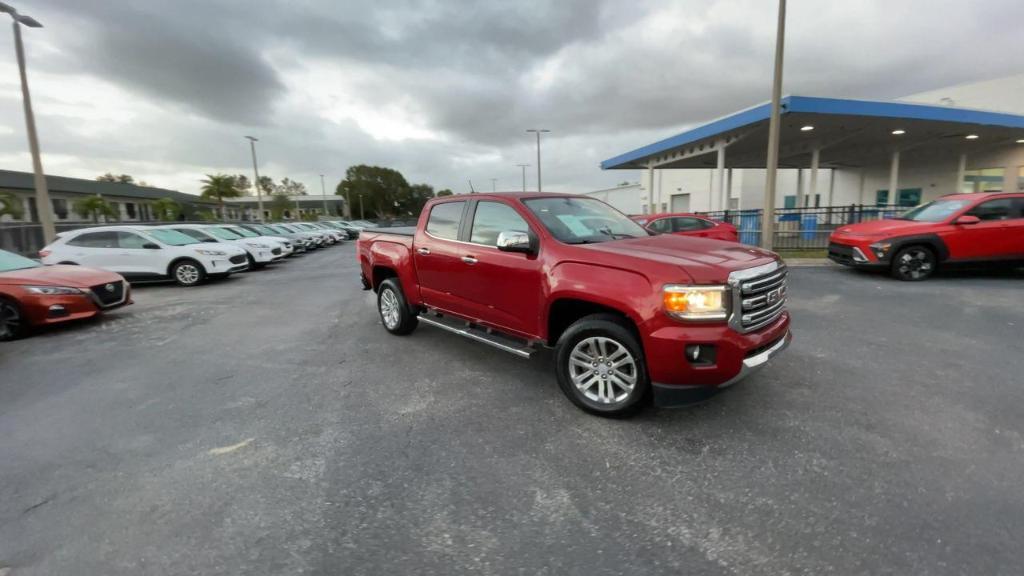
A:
<point x="109" y="287"/>
<point x="774" y="296"/>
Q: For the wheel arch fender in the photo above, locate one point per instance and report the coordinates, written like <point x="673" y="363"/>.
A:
<point x="579" y="290"/>
<point x="391" y="259"/>
<point x="174" y="262"/>
<point x="933" y="241"/>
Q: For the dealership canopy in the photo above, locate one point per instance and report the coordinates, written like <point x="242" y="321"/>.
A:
<point x="827" y="132"/>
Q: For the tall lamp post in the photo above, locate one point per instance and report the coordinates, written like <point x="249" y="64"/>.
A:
<point x="768" y="214"/>
<point x="538" y="132"/>
<point x="494" y="185"/>
<point x="45" y="208"/>
<point x="256" y="173"/>
<point x="524" y="167"/>
<point x="323" y="194"/>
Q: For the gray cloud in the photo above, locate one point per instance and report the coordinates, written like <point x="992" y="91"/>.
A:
<point x="605" y="76"/>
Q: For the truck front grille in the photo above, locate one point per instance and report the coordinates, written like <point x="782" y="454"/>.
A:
<point x="759" y="297"/>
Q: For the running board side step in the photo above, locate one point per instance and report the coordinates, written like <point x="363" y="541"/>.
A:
<point x="463" y="328"/>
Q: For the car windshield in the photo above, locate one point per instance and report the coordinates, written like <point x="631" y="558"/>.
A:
<point x="936" y="211"/>
<point x="171" y="237"/>
<point x="243" y="232"/>
<point x="222" y="233"/>
<point x="285" y="228"/>
<point x="11" y="261"/>
<point x="583" y="220"/>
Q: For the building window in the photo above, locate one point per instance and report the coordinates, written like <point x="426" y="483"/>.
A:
<point x="60" y="208"/>
<point x="983" y="180"/>
<point x="909" y="197"/>
<point x="789" y="202"/>
<point x="129" y="208"/>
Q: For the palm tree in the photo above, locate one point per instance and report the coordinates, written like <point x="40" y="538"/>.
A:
<point x="10" y="205"/>
<point x="94" y="206"/>
<point x="166" y="209"/>
<point x="218" y="187"/>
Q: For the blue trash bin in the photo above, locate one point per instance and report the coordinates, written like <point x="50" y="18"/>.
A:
<point x="750" y="228"/>
<point x="809" y="227"/>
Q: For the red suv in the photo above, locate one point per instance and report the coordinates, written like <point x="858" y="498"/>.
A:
<point x="959" y="229"/>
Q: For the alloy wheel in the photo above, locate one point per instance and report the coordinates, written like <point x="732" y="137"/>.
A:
<point x="187" y="274"/>
<point x="389" y="309"/>
<point x="603" y="370"/>
<point x="915" y="264"/>
<point x="10" y="320"/>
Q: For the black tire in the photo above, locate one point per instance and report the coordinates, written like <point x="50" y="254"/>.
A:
<point x="188" y="273"/>
<point x="914" y="263"/>
<point x="600" y="334"/>
<point x="13" y="324"/>
<point x="394" y="309"/>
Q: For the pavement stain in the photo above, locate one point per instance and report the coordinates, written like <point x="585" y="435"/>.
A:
<point x="229" y="449"/>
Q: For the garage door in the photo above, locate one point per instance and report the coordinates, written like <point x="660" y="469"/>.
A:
<point x="680" y="203"/>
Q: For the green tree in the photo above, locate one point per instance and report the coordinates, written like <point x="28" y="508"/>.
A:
<point x="411" y="201"/>
<point x="445" y="192"/>
<point x="243" y="185"/>
<point x="218" y="187"/>
<point x="119" y="178"/>
<point x="166" y="209"/>
<point x="10" y="205"/>
<point x="385" y="191"/>
<point x="94" y="207"/>
<point x="290" y="188"/>
<point x="267" y="185"/>
<point x="279" y="203"/>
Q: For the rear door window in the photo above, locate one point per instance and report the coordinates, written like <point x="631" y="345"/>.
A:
<point x="95" y="240"/>
<point x="689" y="224"/>
<point x="445" y="219"/>
<point x="129" y="240"/>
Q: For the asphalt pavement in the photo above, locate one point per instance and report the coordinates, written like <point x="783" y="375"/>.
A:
<point x="268" y="424"/>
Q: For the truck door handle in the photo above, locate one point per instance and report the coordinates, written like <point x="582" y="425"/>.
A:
<point x="423" y="251"/>
<point x="469" y="259"/>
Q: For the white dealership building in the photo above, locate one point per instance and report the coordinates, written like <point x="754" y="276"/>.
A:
<point x="836" y="152"/>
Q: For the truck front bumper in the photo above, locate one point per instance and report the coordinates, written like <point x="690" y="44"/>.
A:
<point x="666" y="395"/>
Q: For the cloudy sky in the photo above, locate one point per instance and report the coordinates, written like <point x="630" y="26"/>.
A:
<point x="443" y="90"/>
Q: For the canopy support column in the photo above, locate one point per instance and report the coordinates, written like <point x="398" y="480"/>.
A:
<point x="650" y="187"/>
<point x="894" y="179"/>
<point x="815" y="161"/>
<point x="961" y="171"/>
<point x="719" y="182"/>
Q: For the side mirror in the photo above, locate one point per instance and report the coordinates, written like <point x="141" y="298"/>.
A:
<point x="511" y="241"/>
<point x="151" y="246"/>
<point x="967" y="219"/>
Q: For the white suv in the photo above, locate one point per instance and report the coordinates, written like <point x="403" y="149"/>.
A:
<point x="286" y="245"/>
<point x="259" y="252"/>
<point x="146" y="253"/>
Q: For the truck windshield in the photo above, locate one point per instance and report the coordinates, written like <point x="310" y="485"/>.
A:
<point x="583" y="220"/>
<point x="936" y="211"/>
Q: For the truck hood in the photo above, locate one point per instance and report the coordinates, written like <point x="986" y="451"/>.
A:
<point x="704" y="259"/>
<point x="60" y="275"/>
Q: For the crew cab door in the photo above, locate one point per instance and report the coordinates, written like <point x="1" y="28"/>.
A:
<point x="990" y="239"/>
<point x="437" y="253"/>
<point x="502" y="289"/>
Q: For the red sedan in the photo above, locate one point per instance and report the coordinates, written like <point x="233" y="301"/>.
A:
<point x="688" y="225"/>
<point x="33" y="295"/>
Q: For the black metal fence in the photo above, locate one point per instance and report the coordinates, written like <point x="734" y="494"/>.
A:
<point x="802" y="228"/>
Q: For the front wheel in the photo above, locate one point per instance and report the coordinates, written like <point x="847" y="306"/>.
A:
<point x="600" y="366"/>
<point x="12" y="324"/>
<point x="913" y="263"/>
<point x="394" y="311"/>
<point x="188" y="273"/>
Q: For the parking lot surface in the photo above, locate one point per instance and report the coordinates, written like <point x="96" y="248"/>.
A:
<point x="269" y="425"/>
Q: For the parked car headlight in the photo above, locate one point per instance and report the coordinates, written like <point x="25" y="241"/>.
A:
<point x="695" y="302"/>
<point x="881" y="249"/>
<point x="259" y="245"/>
<point x="206" y="252"/>
<point x="53" y="290"/>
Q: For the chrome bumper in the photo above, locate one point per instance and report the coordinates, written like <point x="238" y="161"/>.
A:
<point x="757" y="361"/>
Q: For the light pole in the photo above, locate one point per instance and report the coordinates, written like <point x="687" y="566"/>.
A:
<point x="524" y="167"/>
<point x="538" y="131"/>
<point x="768" y="214"/>
<point x="45" y="208"/>
<point x="256" y="173"/>
<point x="361" y="215"/>
<point x="323" y="194"/>
<point x="494" y="185"/>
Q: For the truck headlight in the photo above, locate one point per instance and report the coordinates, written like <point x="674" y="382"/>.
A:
<point x="53" y="290"/>
<point x="695" y="302"/>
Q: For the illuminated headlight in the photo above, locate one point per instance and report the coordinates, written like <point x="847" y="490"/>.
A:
<point x="695" y="302"/>
<point x="53" y="290"/>
<point x="881" y="249"/>
<point x="205" y="252"/>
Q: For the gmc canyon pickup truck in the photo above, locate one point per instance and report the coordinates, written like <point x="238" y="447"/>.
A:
<point x="630" y="314"/>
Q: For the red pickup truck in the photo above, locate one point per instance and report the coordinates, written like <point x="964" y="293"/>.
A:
<point x="630" y="315"/>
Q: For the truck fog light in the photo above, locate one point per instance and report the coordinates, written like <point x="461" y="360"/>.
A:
<point x="701" y="354"/>
<point x="56" y="311"/>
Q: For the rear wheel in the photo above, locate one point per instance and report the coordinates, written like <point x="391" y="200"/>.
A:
<point x="913" y="263"/>
<point x="188" y="273"/>
<point x="393" y="308"/>
<point x="12" y="324"/>
<point x="600" y="366"/>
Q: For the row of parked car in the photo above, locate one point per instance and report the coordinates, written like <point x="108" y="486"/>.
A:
<point x="89" y="270"/>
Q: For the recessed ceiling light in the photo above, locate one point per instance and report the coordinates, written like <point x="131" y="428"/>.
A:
<point x="971" y="136"/>
<point x="898" y="132"/>
<point x="807" y="128"/>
